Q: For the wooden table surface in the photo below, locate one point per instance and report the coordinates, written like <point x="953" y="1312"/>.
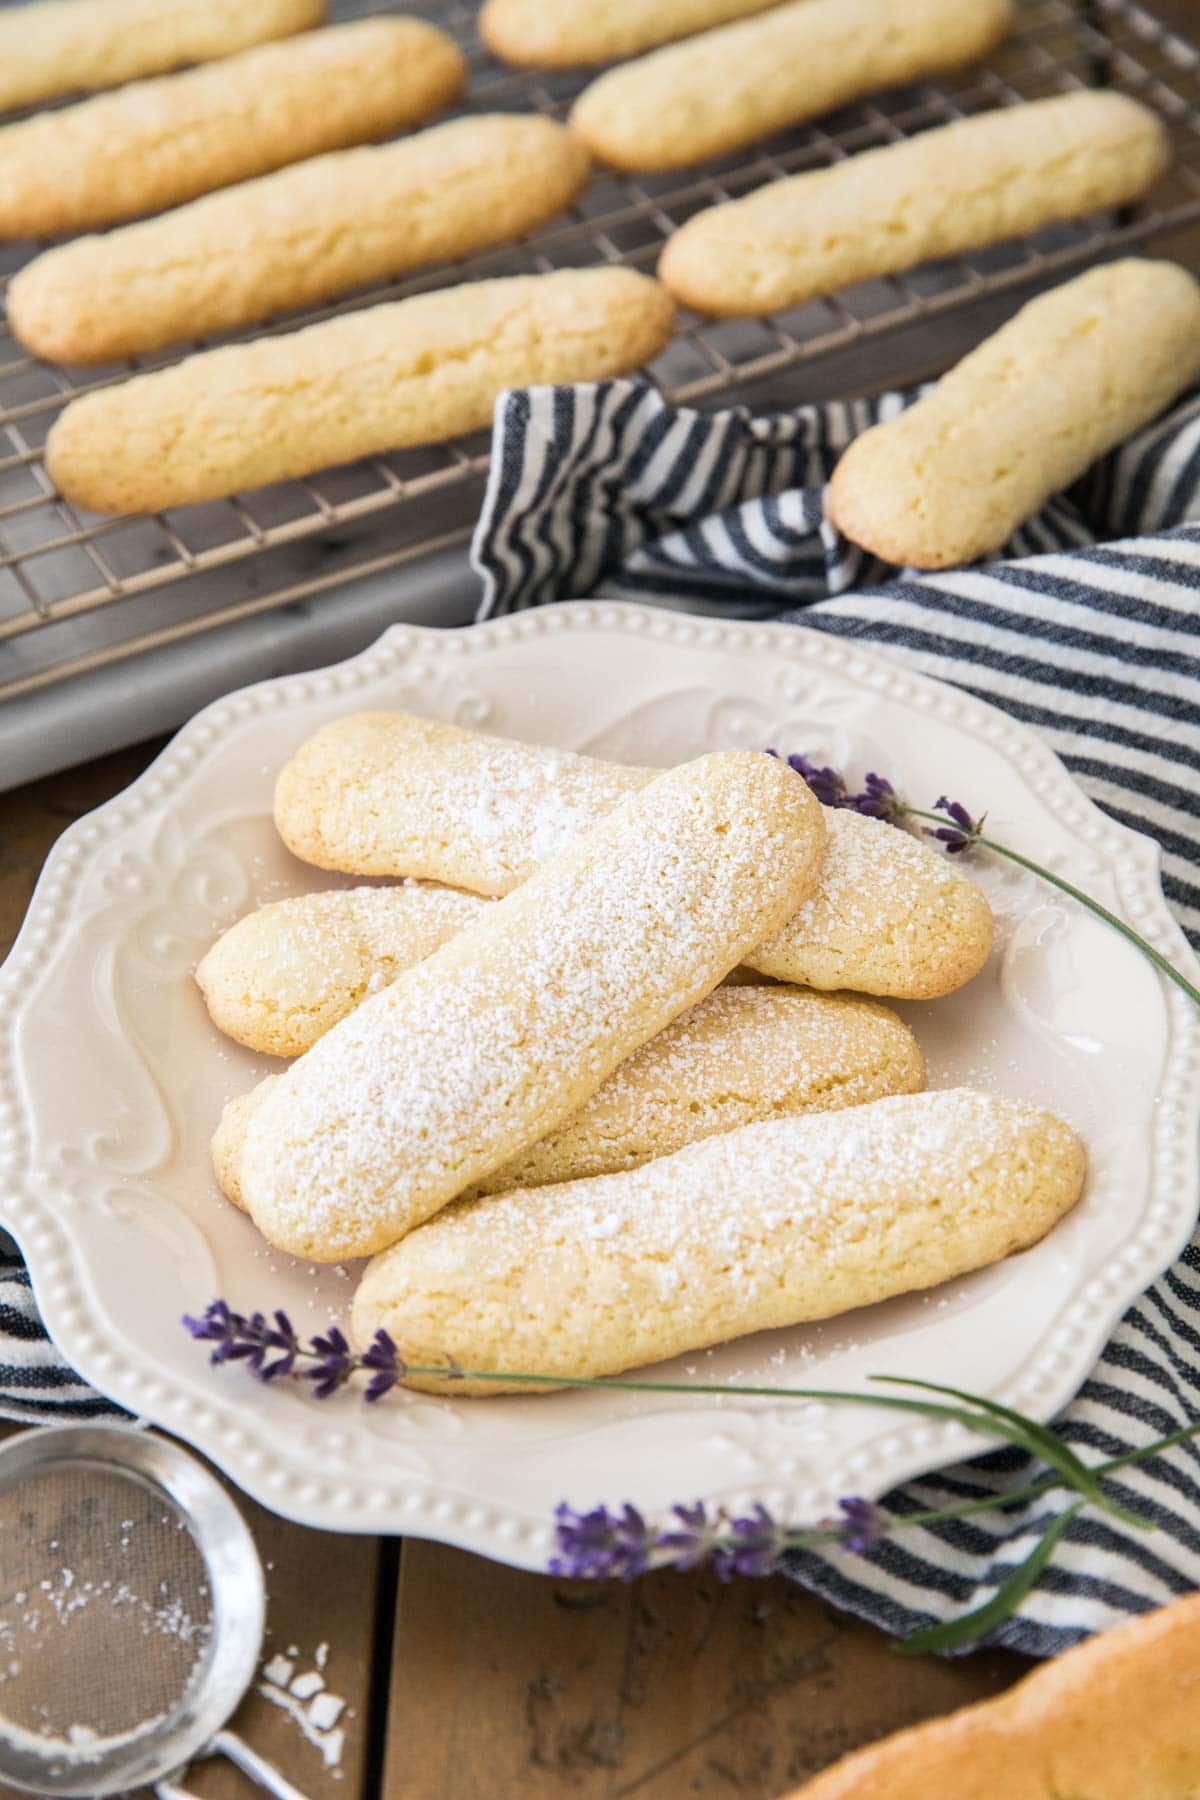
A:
<point x="463" y="1679"/>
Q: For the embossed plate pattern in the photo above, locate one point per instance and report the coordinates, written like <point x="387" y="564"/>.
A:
<point x="112" y="1077"/>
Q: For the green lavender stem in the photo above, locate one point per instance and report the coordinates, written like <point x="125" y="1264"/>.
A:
<point x="1066" y="887"/>
<point x="1036" y="1439"/>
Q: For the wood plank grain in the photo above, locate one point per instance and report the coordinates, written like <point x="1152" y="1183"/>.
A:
<point x="321" y="1591"/>
<point x="515" y="1684"/>
<point x="32" y="817"/>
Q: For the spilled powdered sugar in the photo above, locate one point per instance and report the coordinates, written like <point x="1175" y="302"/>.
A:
<point x="305" y="1698"/>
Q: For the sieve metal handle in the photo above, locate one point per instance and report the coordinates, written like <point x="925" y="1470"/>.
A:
<point x="229" y="1744"/>
<point x="237" y="1751"/>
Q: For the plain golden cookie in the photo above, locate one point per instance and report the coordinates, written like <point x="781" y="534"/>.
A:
<point x="395" y="794"/>
<point x="65" y="47"/>
<point x="772" y="1225"/>
<point x="409" y="372"/>
<point x="296" y="237"/>
<point x="504" y="1033"/>
<point x="155" y="143"/>
<point x="567" y="33"/>
<point x="1072" y="375"/>
<point x="952" y="189"/>
<point x="283" y="975"/>
<point x="1115" y="1718"/>
<point x="725" y="88"/>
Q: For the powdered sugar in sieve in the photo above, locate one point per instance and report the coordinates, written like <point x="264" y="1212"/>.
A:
<point x="131" y="1613"/>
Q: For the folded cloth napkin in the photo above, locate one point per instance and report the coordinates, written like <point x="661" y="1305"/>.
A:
<point x="604" y="489"/>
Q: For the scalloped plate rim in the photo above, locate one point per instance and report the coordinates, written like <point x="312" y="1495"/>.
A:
<point x="416" y="1506"/>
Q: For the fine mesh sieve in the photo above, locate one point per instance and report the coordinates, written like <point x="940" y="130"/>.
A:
<point x="131" y="1614"/>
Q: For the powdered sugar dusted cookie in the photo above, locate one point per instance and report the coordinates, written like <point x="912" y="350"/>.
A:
<point x="888" y="916"/>
<point x="393" y="794"/>
<point x="742" y="1054"/>
<point x="389" y="793"/>
<point x="775" y="1224"/>
<point x="229" y="1139"/>
<point x="507" y="1030"/>
<point x="282" y="976"/>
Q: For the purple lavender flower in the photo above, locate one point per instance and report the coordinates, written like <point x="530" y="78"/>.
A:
<point x="861" y="1525"/>
<point x="828" y="785"/>
<point x="385" y="1360"/>
<point x="597" y="1545"/>
<point x="281" y="1337"/>
<point x="752" y="1545"/>
<point x="693" y="1539"/>
<point x="878" y="800"/>
<point x="218" y="1325"/>
<point x="335" y="1366"/>
<point x="249" y="1340"/>
<point x="963" y="833"/>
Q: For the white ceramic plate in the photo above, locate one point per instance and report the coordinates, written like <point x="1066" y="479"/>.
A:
<point x="112" y="1077"/>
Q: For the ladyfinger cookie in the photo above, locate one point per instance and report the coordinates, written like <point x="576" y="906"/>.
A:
<point x="776" y="1224"/>
<point x="725" y="88"/>
<point x="949" y="190"/>
<point x="505" y="1032"/>
<point x="158" y="142"/>
<point x="1075" y="372"/>
<point x="1114" y="1718"/>
<point x="575" y="32"/>
<point x="742" y="1054"/>
<point x="283" y="976"/>
<point x="76" y="46"/>
<point x="409" y="372"/>
<point x="393" y="794"/>
<point x="296" y="237"/>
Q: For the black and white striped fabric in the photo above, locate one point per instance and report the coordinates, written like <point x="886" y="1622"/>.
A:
<point x="1089" y="628"/>
<point x="36" y="1386"/>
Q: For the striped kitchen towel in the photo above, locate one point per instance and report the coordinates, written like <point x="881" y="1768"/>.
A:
<point x="1088" y="627"/>
<point x="606" y="490"/>
<point x="35" y="1383"/>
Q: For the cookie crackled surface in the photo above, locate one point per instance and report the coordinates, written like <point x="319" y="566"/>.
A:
<point x="505" y="1031"/>
<point x="775" y="1224"/>
<point x="487" y="1478"/>
<point x="744" y="1053"/>
<point x="395" y="794"/>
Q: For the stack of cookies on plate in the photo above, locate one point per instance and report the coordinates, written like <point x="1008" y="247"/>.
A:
<point x="606" y="1075"/>
<point x="272" y="193"/>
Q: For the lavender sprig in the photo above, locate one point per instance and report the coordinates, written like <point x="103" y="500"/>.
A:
<point x="328" y="1360"/>
<point x="959" y="833"/>
<point x="603" y="1544"/>
<point x="826" y="784"/>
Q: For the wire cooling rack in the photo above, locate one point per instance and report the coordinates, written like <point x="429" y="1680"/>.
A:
<point x="78" y="592"/>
